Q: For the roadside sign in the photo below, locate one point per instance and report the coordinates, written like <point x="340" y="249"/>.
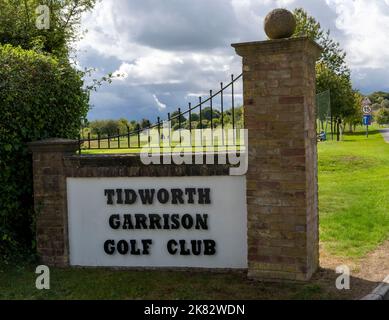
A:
<point x="366" y="110"/>
<point x="366" y="102"/>
<point x="367" y="120"/>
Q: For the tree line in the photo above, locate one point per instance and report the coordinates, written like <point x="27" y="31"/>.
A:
<point x="333" y="74"/>
<point x="380" y="106"/>
<point x="209" y="118"/>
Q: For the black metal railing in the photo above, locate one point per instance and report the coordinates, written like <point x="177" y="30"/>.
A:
<point x="141" y="137"/>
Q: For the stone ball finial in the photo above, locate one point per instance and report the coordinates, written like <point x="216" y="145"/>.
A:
<point x="279" y="24"/>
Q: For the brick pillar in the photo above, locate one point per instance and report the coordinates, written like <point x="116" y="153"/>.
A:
<point x="50" y="199"/>
<point x="279" y="101"/>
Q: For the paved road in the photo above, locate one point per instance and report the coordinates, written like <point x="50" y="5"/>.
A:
<point x="385" y="133"/>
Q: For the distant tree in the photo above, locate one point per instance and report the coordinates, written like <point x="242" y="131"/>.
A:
<point x="379" y="96"/>
<point x="133" y="125"/>
<point x="204" y="124"/>
<point x="382" y="116"/>
<point x="216" y="123"/>
<point x="332" y="56"/>
<point x="96" y="127"/>
<point x="355" y="117"/>
<point x="145" y="123"/>
<point x="238" y="118"/>
<point x="104" y="127"/>
<point x="123" y="125"/>
<point x="206" y="113"/>
<point x="342" y="94"/>
<point x="194" y="117"/>
<point x="194" y="124"/>
<point x="111" y="127"/>
<point x="176" y="126"/>
<point x="332" y="71"/>
<point x="376" y="106"/>
<point x="385" y="103"/>
<point x="176" y="118"/>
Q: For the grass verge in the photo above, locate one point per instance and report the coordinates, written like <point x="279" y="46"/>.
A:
<point x="354" y="194"/>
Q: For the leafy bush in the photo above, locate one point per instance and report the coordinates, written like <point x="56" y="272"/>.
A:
<point x="104" y="127"/>
<point x="382" y="116"/>
<point x="40" y="97"/>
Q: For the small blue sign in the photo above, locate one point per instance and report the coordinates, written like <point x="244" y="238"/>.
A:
<point x="367" y="120"/>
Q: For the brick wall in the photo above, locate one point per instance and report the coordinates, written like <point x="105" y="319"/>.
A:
<point x="54" y="160"/>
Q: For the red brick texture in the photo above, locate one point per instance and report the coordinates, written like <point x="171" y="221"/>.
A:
<point x="279" y="100"/>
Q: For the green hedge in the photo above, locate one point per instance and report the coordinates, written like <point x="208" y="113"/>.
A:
<point x="40" y="97"/>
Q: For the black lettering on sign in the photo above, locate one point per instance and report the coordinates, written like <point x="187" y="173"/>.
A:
<point x="122" y="247"/>
<point x="109" y="247"/>
<point x="196" y="247"/>
<point x="175" y="218"/>
<point x="147" y="196"/>
<point x="119" y="196"/>
<point x="163" y="196"/>
<point x="201" y="222"/>
<point x="127" y="223"/>
<point x="184" y="251"/>
<point x="209" y="247"/>
<point x="204" y="196"/>
<point x="155" y="221"/>
<point x="177" y="196"/>
<point x="140" y="221"/>
<point x="190" y="192"/>
<point x="114" y="221"/>
<point x="158" y="222"/>
<point x="166" y="219"/>
<point x="129" y="196"/>
<point x="146" y="246"/>
<point x="187" y="221"/>
<point x="134" y="250"/>
<point x="172" y="247"/>
<point x="193" y="247"/>
<point x="109" y="193"/>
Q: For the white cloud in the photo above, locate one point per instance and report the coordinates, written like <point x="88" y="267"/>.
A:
<point x="161" y="106"/>
<point x="184" y="47"/>
<point x="364" y="25"/>
<point x="156" y="68"/>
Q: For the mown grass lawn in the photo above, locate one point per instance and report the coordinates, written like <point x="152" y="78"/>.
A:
<point x="354" y="194"/>
<point x="103" y="284"/>
<point x="354" y="219"/>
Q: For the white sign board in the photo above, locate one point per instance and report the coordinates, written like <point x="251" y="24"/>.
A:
<point x="196" y="222"/>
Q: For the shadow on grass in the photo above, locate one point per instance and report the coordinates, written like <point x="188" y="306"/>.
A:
<point x="108" y="284"/>
<point x="362" y="133"/>
<point x="326" y="279"/>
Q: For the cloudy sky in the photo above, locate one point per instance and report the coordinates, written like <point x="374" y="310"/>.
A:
<point x="171" y="51"/>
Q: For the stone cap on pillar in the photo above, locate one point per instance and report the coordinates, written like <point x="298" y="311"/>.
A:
<point x="54" y="145"/>
<point x="278" y="46"/>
